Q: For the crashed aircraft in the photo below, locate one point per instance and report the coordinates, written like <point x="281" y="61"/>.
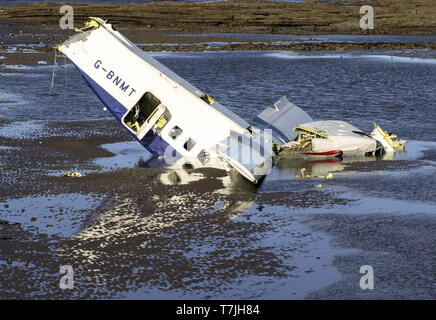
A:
<point x="174" y="120"/>
<point x="170" y="117"/>
<point x="297" y="135"/>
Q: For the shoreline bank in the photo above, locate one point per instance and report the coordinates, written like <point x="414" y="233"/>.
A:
<point x="223" y="26"/>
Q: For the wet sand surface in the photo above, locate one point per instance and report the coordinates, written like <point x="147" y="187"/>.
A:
<point x="130" y="231"/>
<point x="399" y="248"/>
<point x="129" y="235"/>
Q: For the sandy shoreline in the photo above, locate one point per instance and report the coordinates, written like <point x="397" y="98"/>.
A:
<point x="174" y="26"/>
<point x="338" y="17"/>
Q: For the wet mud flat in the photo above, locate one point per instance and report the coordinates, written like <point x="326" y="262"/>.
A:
<point x="135" y="232"/>
<point x="399" y="248"/>
<point x="128" y="233"/>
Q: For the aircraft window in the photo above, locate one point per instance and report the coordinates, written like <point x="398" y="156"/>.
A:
<point x="188" y="166"/>
<point x="204" y="157"/>
<point x="162" y="121"/>
<point x="141" y="111"/>
<point x="189" y="144"/>
<point x="175" y="132"/>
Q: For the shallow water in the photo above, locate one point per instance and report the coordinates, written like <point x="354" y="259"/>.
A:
<point x="45" y="210"/>
<point x="320" y="38"/>
<point x="387" y="87"/>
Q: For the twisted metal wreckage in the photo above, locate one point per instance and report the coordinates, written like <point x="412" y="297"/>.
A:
<point x="175" y="121"/>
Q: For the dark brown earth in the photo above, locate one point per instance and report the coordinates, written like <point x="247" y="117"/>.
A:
<point x="338" y="17"/>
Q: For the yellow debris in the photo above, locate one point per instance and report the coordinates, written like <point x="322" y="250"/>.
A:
<point x="73" y="174"/>
<point x="208" y="99"/>
<point x="92" y="23"/>
<point x="329" y="176"/>
<point x="133" y="125"/>
<point x="390" y="139"/>
<point x="89" y="25"/>
<point x="310" y="130"/>
<point x="161" y="122"/>
<point x="319" y="186"/>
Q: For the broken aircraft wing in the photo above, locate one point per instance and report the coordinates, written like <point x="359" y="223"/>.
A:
<point x="283" y="118"/>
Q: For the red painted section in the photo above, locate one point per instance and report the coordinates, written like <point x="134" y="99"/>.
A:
<point x="327" y="153"/>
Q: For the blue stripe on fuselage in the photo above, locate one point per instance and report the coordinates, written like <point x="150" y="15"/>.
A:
<point x="152" y="142"/>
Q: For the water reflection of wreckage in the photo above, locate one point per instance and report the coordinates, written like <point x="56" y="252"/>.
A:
<point x="175" y="121"/>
